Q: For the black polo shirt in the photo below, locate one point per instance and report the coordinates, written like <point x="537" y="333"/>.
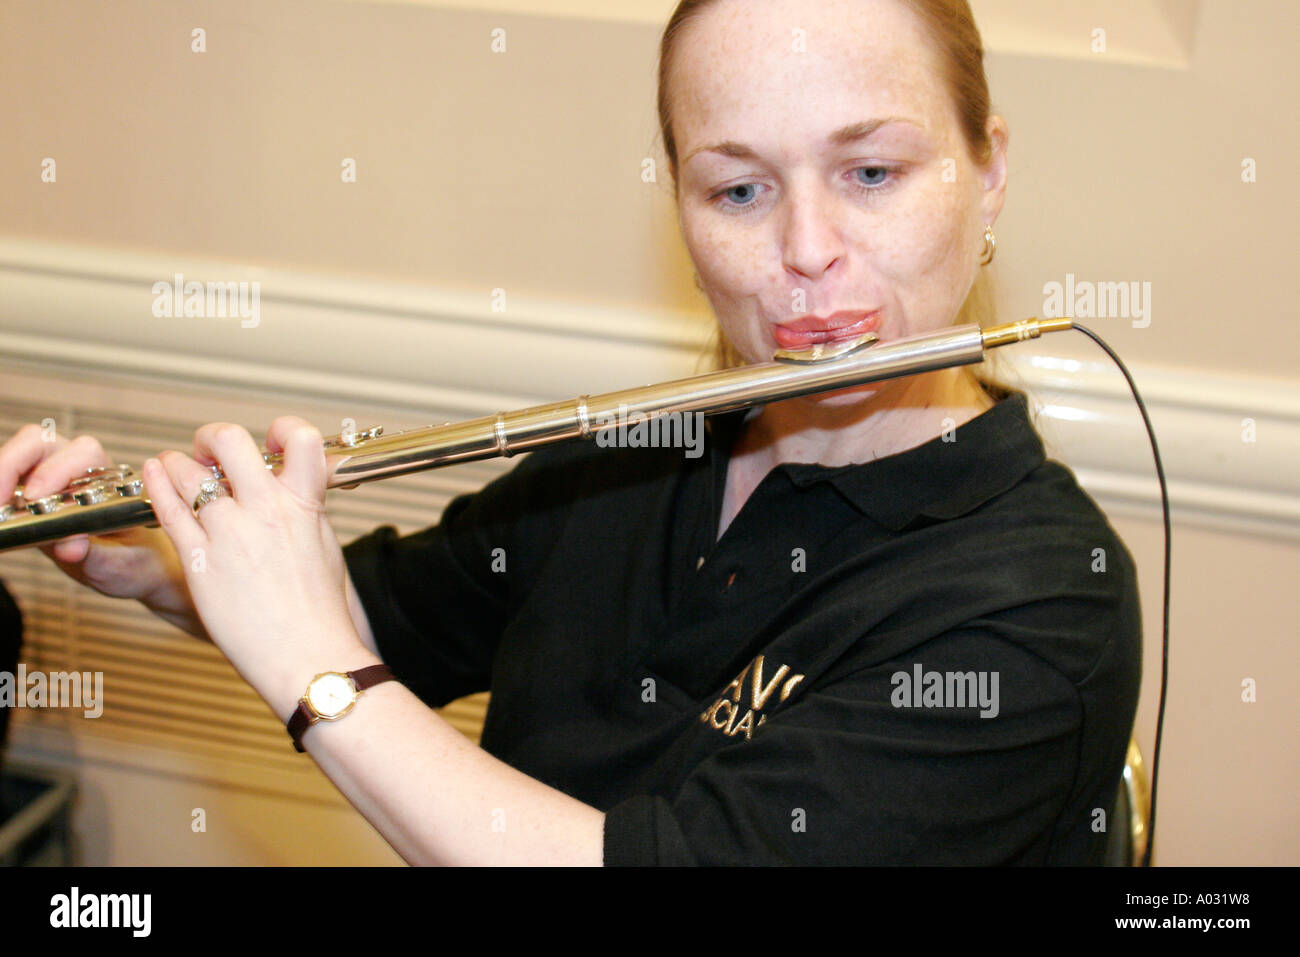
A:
<point x="932" y="657"/>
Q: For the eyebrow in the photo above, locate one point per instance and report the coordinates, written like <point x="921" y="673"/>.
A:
<point x="841" y="137"/>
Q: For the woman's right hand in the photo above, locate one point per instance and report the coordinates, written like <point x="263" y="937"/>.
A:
<point x="135" y="563"/>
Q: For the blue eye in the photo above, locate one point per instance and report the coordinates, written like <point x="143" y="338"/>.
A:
<point x="740" y="195"/>
<point x="737" y="199"/>
<point x="743" y="196"/>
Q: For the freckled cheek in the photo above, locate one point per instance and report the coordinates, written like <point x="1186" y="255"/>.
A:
<point x="728" y="260"/>
<point x="922" y="239"/>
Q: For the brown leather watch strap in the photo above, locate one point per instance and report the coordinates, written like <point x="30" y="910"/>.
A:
<point x="299" y="722"/>
<point x="365" y="678"/>
<point x="302" y="717"/>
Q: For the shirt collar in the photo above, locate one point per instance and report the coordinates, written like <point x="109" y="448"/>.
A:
<point x="940" y="480"/>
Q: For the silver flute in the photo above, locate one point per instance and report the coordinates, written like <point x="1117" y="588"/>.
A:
<point x="112" y="498"/>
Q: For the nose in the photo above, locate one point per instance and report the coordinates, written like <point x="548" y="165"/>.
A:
<point x="812" y="241"/>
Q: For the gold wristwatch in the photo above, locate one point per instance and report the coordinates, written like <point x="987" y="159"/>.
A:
<point x="331" y="695"/>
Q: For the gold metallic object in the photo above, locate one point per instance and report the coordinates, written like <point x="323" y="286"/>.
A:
<point x="1019" y="331"/>
<point x="1138" y="790"/>
<point x="990" y="246"/>
<point x="111" y="499"/>
<point x="209" y="490"/>
<point x="825" y="351"/>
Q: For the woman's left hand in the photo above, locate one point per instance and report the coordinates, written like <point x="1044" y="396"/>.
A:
<point x="263" y="564"/>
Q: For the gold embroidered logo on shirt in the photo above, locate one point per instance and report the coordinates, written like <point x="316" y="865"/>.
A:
<point x="725" y="713"/>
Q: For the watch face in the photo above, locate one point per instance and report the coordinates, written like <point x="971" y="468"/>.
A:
<point x="331" y="694"/>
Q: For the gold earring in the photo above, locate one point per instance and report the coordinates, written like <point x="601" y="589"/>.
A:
<point x="990" y="246"/>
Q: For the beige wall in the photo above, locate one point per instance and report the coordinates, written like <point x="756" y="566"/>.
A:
<point x="522" y="171"/>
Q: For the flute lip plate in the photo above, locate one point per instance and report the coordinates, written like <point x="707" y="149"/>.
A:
<point x="825" y="351"/>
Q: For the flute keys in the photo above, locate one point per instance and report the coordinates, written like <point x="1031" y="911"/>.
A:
<point x="99" y="484"/>
<point x="45" y="505"/>
<point x="348" y="440"/>
<point x="101" y="473"/>
<point x="90" y="495"/>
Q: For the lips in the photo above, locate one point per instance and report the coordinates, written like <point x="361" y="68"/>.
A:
<point x="810" y="330"/>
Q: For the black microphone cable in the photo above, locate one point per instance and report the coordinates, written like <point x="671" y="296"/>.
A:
<point x="1164" y="656"/>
